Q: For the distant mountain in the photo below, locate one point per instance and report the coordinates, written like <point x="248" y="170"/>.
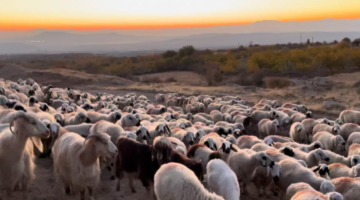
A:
<point x="105" y="41"/>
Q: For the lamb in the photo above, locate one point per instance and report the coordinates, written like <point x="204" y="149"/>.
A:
<point x="76" y="161"/>
<point x="335" y="130"/>
<point x="354" y="138"/>
<point x="298" y="133"/>
<point x="336" y="158"/>
<point x="16" y="150"/>
<point x="309" y="125"/>
<point x="222" y="180"/>
<point x="258" y="115"/>
<point x="297" y="187"/>
<point x="178" y="145"/>
<point x="293" y="172"/>
<point x="247" y="141"/>
<point x="350" y="116"/>
<point x="348" y="187"/>
<point x="113" y="117"/>
<point x="322" y="170"/>
<point x="347" y="129"/>
<point x="191" y="187"/>
<point x="244" y="163"/>
<point x="268" y="127"/>
<point x="338" y="170"/>
<point x="71" y="119"/>
<point x="330" y="141"/>
<point x="128" y="120"/>
<point x="134" y="157"/>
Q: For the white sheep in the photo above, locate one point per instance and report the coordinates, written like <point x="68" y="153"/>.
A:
<point x="76" y="161"/>
<point x="299" y="117"/>
<point x="76" y="118"/>
<point x="347" y="129"/>
<point x="128" y="120"/>
<point x="350" y="116"/>
<point x="335" y="130"/>
<point x="336" y="158"/>
<point x="202" y="153"/>
<point x="247" y="141"/>
<point x="16" y="150"/>
<point x="354" y="150"/>
<point x="222" y="180"/>
<point x="313" y="158"/>
<point x="178" y="145"/>
<point x="293" y="172"/>
<point x="279" y="138"/>
<point x="298" y="133"/>
<point x="244" y="163"/>
<point x="348" y="187"/>
<point x="297" y="187"/>
<point x="112" y="117"/>
<point x="330" y="141"/>
<point x="176" y="182"/>
<point x="338" y="170"/>
<point x="268" y="127"/>
<point x="187" y="137"/>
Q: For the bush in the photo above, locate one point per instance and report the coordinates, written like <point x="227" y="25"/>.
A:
<point x="169" y="54"/>
<point x="277" y="83"/>
<point x="255" y="79"/>
<point x="213" y="73"/>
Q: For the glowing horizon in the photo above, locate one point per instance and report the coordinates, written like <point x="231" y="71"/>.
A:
<point x="159" y="14"/>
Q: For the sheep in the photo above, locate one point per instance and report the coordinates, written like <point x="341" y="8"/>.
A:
<point x="348" y="187"/>
<point x="297" y="187"/>
<point x="297" y="133"/>
<point x="258" y="115"/>
<point x="76" y="160"/>
<point x="81" y="129"/>
<point x="128" y="120"/>
<point x="347" y="129"/>
<point x="272" y="103"/>
<point x="336" y="158"/>
<point x="278" y="138"/>
<point x="301" y="108"/>
<point x="156" y="110"/>
<point x="299" y="117"/>
<point x="338" y="170"/>
<point x="293" y="172"/>
<point x="222" y="180"/>
<point x="309" y="125"/>
<point x="335" y="130"/>
<point x="313" y="158"/>
<point x="191" y="188"/>
<point x="244" y="163"/>
<point x="330" y="141"/>
<point x="308" y="147"/>
<point x="134" y="157"/>
<point x="354" y="150"/>
<point x="71" y="119"/>
<point x="350" y="116"/>
<point x="113" y="117"/>
<point x="178" y="145"/>
<point x="16" y="150"/>
<point x="354" y="138"/>
<point x="268" y="127"/>
<point x="247" y="141"/>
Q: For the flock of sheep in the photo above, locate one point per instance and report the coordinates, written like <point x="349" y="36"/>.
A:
<point x="180" y="148"/>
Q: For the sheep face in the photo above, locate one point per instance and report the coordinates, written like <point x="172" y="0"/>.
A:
<point x="326" y="187"/>
<point x="309" y="114"/>
<point x="59" y="118"/>
<point x="54" y="128"/>
<point x="237" y="133"/>
<point x="70" y="109"/>
<point x="323" y="169"/>
<point x="103" y="145"/>
<point x="82" y="117"/>
<point x="339" y="143"/>
<point x="334" y="196"/>
<point x="211" y="144"/>
<point x="336" y="129"/>
<point x="287" y="151"/>
<point x="189" y="138"/>
<point x="276" y="172"/>
<point x="130" y="120"/>
<point x="44" y="107"/>
<point x="143" y="135"/>
<point x="162" y="129"/>
<point x="303" y="108"/>
<point x="198" y="135"/>
<point x="321" y="155"/>
<point x="267" y="107"/>
<point x="355" y="160"/>
<point x="226" y="147"/>
<point x="183" y="125"/>
<point x="265" y="160"/>
<point x="276" y="123"/>
<point x="339" y="121"/>
<point x="116" y="115"/>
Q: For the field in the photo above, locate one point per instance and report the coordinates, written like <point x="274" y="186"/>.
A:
<point x="309" y="91"/>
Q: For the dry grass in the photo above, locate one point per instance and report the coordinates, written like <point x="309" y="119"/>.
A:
<point x="277" y="83"/>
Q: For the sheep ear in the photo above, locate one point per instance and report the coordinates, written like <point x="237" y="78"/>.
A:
<point x="355" y="171"/>
<point x="37" y="142"/>
<point x="233" y="148"/>
<point x="316" y="169"/>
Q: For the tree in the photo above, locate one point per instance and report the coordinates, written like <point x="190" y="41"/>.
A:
<point x="186" y="51"/>
<point x="169" y="54"/>
<point x="347" y="40"/>
<point x="356" y="42"/>
<point x="308" y="41"/>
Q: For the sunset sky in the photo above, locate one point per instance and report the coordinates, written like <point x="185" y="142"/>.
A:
<point x="143" y="14"/>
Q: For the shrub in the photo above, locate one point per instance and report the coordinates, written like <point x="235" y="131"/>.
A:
<point x="213" y="73"/>
<point x="169" y="54"/>
<point x="277" y="83"/>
